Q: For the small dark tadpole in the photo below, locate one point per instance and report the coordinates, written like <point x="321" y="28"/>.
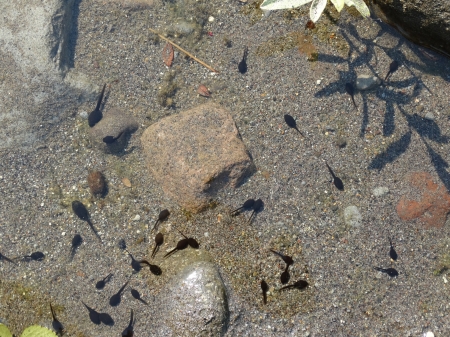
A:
<point x="300" y="284"/>
<point x="191" y="241"/>
<point x="154" y="269"/>
<point x="257" y="207"/>
<point x="285" y="276"/>
<point x="137" y="296"/>
<point x="392" y="68"/>
<point x="248" y="205"/>
<point x="392" y="253"/>
<point x="390" y="271"/>
<point x="290" y="121"/>
<point x="134" y="263"/>
<point x="182" y="244"/>
<point x="76" y="243"/>
<point x="287" y="259"/>
<point x="57" y="326"/>
<point x="111" y="139"/>
<point x="96" y="115"/>
<point x="101" y="284"/>
<point x="159" y="240"/>
<point x="93" y="315"/>
<point x="116" y="298"/>
<point x="128" y="332"/>
<point x="351" y="91"/>
<point x="3" y="257"/>
<point x="242" y="66"/>
<point x="265" y="289"/>
<point x="36" y="256"/>
<point x="161" y="217"/>
<point x="81" y="211"/>
<point x="336" y="180"/>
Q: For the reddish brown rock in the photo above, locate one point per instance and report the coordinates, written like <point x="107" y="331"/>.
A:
<point x="97" y="183"/>
<point x="195" y="153"/>
<point x="433" y="206"/>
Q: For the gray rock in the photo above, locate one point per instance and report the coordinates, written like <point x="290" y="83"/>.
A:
<point x="114" y="123"/>
<point x="195" y="302"/>
<point x="380" y="191"/>
<point x="429" y="116"/>
<point x="34" y="54"/>
<point x="195" y="153"/>
<point x="367" y="82"/>
<point x="352" y="216"/>
<point x="426" y="22"/>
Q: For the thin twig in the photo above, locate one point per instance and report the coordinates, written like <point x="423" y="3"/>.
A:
<point x="184" y="51"/>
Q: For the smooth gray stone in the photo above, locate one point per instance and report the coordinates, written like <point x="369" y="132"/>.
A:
<point x="195" y="302"/>
<point x="367" y="82"/>
<point x="352" y="216"/>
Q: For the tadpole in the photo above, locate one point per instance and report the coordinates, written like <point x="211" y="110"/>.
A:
<point x="285" y="276"/>
<point x="101" y="284"/>
<point x="128" y="332"/>
<point x="336" y="180"/>
<point x="242" y="66"/>
<point x="137" y="296"/>
<point x="265" y="289"/>
<point x="116" y="298"/>
<point x="57" y="326"/>
<point x="300" y="284"/>
<point x="159" y="240"/>
<point x="77" y="240"/>
<point x="392" y="68"/>
<point x="290" y="121"/>
<point x="154" y="269"/>
<point x="351" y="91"/>
<point x="182" y="244"/>
<point x="161" y="217"/>
<point x="248" y="205"/>
<point x="36" y="256"/>
<point x="191" y="241"/>
<point x="287" y="259"/>
<point x="392" y="253"/>
<point x="257" y="207"/>
<point x="96" y="115"/>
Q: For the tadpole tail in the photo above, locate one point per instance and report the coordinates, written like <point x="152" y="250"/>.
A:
<point x="99" y="102"/>
<point x="171" y="252"/>
<point x="330" y="170"/>
<point x="154" y="251"/>
<point x="154" y="226"/>
<point x="251" y="217"/>
<point x="94" y="230"/>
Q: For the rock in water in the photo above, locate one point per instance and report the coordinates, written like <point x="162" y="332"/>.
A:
<point x="97" y="183"/>
<point x="195" y="153"/>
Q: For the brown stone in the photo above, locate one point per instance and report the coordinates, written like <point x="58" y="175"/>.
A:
<point x="97" y="183"/>
<point x="195" y="153"/>
<point x="433" y="206"/>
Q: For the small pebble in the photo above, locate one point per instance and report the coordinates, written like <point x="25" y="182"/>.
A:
<point x="429" y="116"/>
<point x="211" y="19"/>
<point x="84" y="115"/>
<point x="428" y="334"/>
<point x="380" y="191"/>
<point x="97" y="183"/>
<point x="137" y="218"/>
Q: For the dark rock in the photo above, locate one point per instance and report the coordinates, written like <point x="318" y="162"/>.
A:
<point x="97" y="183"/>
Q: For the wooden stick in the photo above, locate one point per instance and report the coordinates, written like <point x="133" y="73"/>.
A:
<point x="184" y="51"/>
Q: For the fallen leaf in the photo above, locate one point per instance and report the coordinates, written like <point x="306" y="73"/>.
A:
<point x="203" y="91"/>
<point x="168" y="54"/>
<point x="126" y="182"/>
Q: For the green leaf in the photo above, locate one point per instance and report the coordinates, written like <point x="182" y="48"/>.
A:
<point x="37" y="331"/>
<point x="282" y="4"/>
<point x="316" y="9"/>
<point x="360" y="6"/>
<point x="4" y="331"/>
<point x="339" y="4"/>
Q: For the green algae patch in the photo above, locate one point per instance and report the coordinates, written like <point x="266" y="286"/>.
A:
<point x="37" y="331"/>
<point x="253" y="11"/>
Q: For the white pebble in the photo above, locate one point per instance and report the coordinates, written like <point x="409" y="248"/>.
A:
<point x="211" y="19"/>
<point x="318" y="81"/>
<point x="137" y="218"/>
<point x="63" y="233"/>
<point x="428" y="334"/>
